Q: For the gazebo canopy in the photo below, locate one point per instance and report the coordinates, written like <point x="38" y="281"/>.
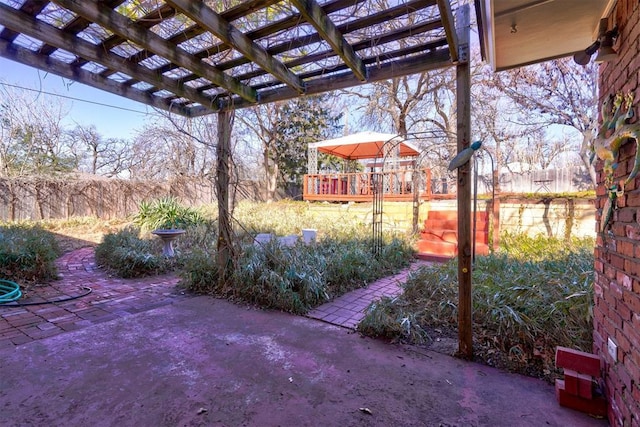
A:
<point x="364" y="145"/>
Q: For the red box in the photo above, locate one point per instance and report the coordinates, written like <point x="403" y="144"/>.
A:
<point x="578" y="384"/>
<point x="579" y="361"/>
<point x="596" y="407"/>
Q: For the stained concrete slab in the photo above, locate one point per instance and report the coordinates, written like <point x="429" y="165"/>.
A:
<point x="207" y="362"/>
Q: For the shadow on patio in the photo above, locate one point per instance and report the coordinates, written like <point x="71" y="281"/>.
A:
<point x="202" y="361"/>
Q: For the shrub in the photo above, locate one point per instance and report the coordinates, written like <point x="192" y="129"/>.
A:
<point x="27" y="253"/>
<point x="296" y="278"/>
<point x="165" y="213"/>
<point x="200" y="273"/>
<point x="127" y="255"/>
<point x="526" y="302"/>
<point x="281" y="277"/>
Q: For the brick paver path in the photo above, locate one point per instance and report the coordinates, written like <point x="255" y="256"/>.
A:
<point x="348" y="310"/>
<point x="110" y="298"/>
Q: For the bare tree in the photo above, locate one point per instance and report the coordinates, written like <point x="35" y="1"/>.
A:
<point x="96" y="154"/>
<point x="555" y="93"/>
<point x="172" y="146"/>
<point x="31" y="134"/>
<point x="262" y="121"/>
<point x="399" y="105"/>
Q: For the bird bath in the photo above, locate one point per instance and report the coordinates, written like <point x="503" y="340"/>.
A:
<point x="168" y="236"/>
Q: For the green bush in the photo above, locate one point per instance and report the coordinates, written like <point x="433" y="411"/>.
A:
<point x="165" y="213"/>
<point x="527" y="300"/>
<point x="281" y="277"/>
<point x="27" y="253"/>
<point x="297" y="278"/>
<point x="127" y="255"/>
<point x="200" y="272"/>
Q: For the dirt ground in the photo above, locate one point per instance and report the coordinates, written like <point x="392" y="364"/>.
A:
<point x="207" y="362"/>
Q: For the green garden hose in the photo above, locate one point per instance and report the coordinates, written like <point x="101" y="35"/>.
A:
<point x="9" y="291"/>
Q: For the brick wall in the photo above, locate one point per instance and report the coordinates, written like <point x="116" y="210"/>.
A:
<point x="617" y="265"/>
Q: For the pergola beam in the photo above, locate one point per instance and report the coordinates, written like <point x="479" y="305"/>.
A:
<point x="19" y="21"/>
<point x="147" y="21"/>
<point x="378" y="40"/>
<point x="211" y="21"/>
<point x="318" y="18"/>
<point x="62" y="69"/>
<point x="77" y="25"/>
<point x="415" y="64"/>
<point x="130" y="30"/>
<point x="31" y="8"/>
<point x="449" y="28"/>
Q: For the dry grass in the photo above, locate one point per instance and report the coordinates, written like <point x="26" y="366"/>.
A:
<point x="81" y="232"/>
<point x="532" y="296"/>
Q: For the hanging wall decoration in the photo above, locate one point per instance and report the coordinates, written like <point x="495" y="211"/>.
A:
<point x="616" y="113"/>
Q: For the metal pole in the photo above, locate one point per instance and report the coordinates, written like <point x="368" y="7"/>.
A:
<point x="475" y="208"/>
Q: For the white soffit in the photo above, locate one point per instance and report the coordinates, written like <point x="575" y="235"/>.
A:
<point x="523" y="32"/>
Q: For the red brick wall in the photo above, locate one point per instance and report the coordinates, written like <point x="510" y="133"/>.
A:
<point x="617" y="265"/>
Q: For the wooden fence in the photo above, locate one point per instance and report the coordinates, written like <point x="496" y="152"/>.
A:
<point x="37" y="198"/>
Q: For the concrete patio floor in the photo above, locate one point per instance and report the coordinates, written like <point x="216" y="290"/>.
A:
<point x="139" y="352"/>
<point x="207" y="362"/>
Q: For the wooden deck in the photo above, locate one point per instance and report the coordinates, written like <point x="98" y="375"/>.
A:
<point x="359" y="187"/>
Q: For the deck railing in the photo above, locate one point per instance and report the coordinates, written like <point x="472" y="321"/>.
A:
<point x="359" y="186"/>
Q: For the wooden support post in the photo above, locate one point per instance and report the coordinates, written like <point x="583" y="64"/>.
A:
<point x="223" y="153"/>
<point x="463" y="98"/>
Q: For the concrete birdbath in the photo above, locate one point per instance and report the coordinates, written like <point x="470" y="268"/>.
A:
<point x="168" y="236"/>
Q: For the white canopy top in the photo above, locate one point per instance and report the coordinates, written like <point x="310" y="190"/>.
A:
<point x="364" y="145"/>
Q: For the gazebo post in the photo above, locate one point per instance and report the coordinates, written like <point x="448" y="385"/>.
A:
<point x="312" y="160"/>
<point x="223" y="153"/>
<point x="463" y="99"/>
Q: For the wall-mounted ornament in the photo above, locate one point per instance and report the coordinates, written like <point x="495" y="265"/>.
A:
<point x="616" y="113"/>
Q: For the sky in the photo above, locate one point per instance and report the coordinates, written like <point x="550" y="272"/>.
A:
<point x="110" y="122"/>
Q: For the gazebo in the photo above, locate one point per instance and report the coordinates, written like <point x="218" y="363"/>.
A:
<point x="386" y="159"/>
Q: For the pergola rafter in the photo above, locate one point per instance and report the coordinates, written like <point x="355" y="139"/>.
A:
<point x="134" y="32"/>
<point x="194" y="57"/>
<point x="317" y="17"/>
<point x="211" y="21"/>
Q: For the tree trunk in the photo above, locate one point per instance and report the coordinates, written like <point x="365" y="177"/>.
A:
<point x="271" y="176"/>
<point x="585" y="157"/>
<point x="225" y="242"/>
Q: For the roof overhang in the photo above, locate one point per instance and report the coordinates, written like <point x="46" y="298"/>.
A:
<point x="516" y="33"/>
<point x="365" y="145"/>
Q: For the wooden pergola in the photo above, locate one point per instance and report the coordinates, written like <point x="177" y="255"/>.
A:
<point x="200" y="57"/>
